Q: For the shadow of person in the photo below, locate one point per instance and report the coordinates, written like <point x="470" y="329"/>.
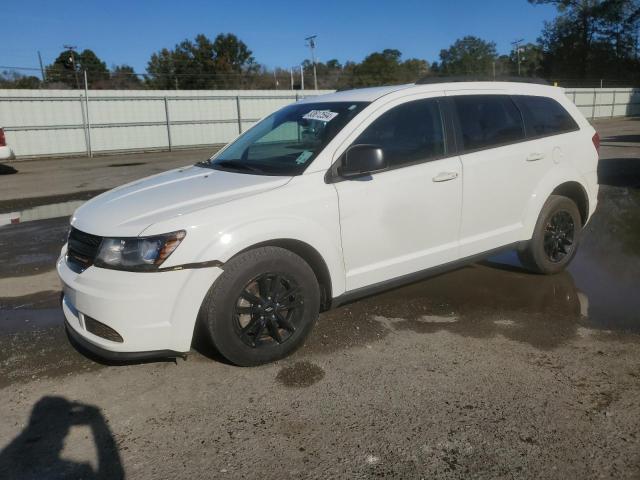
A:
<point x="36" y="452"/>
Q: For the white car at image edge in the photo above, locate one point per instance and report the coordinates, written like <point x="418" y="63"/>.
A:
<point x="327" y="200"/>
<point x="5" y="150"/>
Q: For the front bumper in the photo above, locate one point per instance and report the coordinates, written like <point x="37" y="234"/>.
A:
<point x="6" y="153"/>
<point x="154" y="313"/>
<point x="83" y="344"/>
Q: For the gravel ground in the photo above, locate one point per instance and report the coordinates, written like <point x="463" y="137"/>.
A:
<point x="484" y="372"/>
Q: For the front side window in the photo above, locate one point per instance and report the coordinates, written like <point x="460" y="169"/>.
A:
<point x="407" y="133"/>
<point x="488" y="121"/>
<point x="287" y="141"/>
<point x="544" y="116"/>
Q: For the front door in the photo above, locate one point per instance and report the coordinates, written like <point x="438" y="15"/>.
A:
<point x="404" y="219"/>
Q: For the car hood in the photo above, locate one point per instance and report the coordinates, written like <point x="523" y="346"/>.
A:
<point x="128" y="210"/>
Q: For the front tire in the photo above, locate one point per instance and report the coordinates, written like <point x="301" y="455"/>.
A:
<point x="262" y="307"/>
<point x="555" y="237"/>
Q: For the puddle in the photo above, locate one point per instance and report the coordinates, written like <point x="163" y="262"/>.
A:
<point x="300" y="375"/>
<point x="32" y="247"/>
<point x="497" y="297"/>
<point x="31" y="312"/>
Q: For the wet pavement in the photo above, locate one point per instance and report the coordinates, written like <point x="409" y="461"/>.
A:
<point x="485" y="371"/>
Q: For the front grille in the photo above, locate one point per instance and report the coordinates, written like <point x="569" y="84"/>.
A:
<point x="101" y="330"/>
<point x="82" y="249"/>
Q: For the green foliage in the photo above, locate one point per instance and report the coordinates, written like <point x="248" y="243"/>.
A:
<point x="67" y="69"/>
<point x="385" y="68"/>
<point x="468" y="56"/>
<point x="591" y="39"/>
<point x="16" y="80"/>
<point x="201" y="63"/>
<point x="123" y="77"/>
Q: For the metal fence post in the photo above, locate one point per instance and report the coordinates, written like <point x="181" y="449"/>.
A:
<point x="84" y="125"/>
<point x="168" y="121"/>
<point x="239" y="114"/>
<point x="86" y="102"/>
<point x="595" y="98"/>
<point x="613" y="103"/>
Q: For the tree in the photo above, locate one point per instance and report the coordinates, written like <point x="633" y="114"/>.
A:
<point x="201" y="63"/>
<point x="96" y="69"/>
<point x="63" y="72"/>
<point x="67" y="69"/>
<point x="122" y="77"/>
<point x="11" y="79"/>
<point x="385" y="68"/>
<point x="591" y="38"/>
<point x="231" y="54"/>
<point x="531" y="58"/>
<point x="468" y="56"/>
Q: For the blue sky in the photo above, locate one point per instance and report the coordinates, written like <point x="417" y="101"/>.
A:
<point x="130" y="31"/>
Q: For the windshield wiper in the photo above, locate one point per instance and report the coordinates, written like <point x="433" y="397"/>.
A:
<point x="235" y="165"/>
<point x="204" y="163"/>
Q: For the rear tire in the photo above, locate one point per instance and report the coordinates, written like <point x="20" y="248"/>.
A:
<point x="555" y="237"/>
<point x="262" y="307"/>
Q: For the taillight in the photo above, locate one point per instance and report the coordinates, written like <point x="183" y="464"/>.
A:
<point x="3" y="141"/>
<point x="596" y="142"/>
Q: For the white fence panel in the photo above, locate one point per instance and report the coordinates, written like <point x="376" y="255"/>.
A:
<point x="606" y="102"/>
<point x="54" y="122"/>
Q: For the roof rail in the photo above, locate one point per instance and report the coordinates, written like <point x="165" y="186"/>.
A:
<point x="435" y="79"/>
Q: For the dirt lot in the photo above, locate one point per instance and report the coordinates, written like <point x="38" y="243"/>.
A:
<point x="484" y="372"/>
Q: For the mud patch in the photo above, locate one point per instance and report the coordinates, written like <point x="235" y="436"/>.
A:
<point x="300" y="375"/>
<point x="31" y="355"/>
<point x="346" y="327"/>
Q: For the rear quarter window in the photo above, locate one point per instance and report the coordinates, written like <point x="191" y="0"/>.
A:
<point x="544" y="116"/>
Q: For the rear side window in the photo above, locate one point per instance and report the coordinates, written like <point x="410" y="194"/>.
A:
<point x="488" y="121"/>
<point x="544" y="116"/>
<point x="407" y="133"/>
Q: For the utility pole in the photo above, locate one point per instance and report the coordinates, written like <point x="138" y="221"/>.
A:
<point x="291" y="74"/>
<point x="301" y="77"/>
<point x="516" y="44"/>
<point x="44" y="79"/>
<point x="311" y="42"/>
<point x="72" y="58"/>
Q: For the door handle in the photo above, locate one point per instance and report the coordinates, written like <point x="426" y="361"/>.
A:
<point x="534" y="157"/>
<point x="445" y="176"/>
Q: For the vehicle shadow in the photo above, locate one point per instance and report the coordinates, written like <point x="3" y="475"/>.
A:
<point x="635" y="138"/>
<point x="36" y="453"/>
<point x="619" y="172"/>
<point x="7" y="169"/>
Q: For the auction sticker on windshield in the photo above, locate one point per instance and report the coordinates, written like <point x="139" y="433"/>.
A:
<point x="322" y="115"/>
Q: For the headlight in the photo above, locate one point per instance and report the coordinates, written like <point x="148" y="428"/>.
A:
<point x="137" y="254"/>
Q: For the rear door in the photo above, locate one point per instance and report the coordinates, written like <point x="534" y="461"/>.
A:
<point x="501" y="170"/>
<point x="407" y="218"/>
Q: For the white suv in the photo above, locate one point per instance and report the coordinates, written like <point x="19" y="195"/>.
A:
<point x="326" y="200"/>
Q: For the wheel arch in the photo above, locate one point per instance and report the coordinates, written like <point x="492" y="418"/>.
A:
<point x="576" y="192"/>
<point x="310" y="255"/>
<point x="563" y="182"/>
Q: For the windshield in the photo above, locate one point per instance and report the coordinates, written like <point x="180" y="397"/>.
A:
<point x="287" y="141"/>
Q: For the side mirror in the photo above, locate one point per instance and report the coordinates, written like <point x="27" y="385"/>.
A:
<point x="361" y="160"/>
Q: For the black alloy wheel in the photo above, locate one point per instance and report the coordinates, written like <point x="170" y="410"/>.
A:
<point x="268" y="310"/>
<point x="262" y="307"/>
<point x="558" y="236"/>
